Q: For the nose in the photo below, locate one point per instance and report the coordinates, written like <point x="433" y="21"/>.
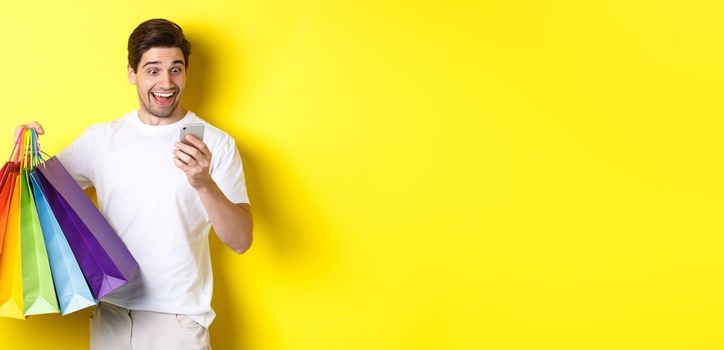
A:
<point x="165" y="80"/>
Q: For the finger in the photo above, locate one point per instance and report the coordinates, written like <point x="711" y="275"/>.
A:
<point x="187" y="159"/>
<point x="178" y="152"/>
<point x="184" y="147"/>
<point x="206" y="151"/>
<point x="38" y="128"/>
<point x="200" y="145"/>
<point x="181" y="165"/>
<point x="190" y="150"/>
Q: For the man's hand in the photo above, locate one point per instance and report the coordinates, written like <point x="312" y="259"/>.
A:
<point x="33" y="125"/>
<point x="232" y="222"/>
<point x="194" y="161"/>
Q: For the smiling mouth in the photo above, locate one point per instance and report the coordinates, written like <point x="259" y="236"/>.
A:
<point x="163" y="98"/>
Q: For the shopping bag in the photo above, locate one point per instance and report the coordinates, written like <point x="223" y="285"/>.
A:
<point x="3" y="173"/>
<point x="38" y="289"/>
<point x="7" y="184"/>
<point x="104" y="259"/>
<point x="70" y="285"/>
<point x="11" y="273"/>
<point x="12" y="166"/>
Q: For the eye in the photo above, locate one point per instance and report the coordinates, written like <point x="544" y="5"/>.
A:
<point x="152" y="72"/>
<point x="176" y="70"/>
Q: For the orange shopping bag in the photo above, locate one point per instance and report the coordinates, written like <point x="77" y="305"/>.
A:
<point x="11" y="273"/>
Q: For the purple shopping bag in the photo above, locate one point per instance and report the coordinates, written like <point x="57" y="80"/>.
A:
<point x="104" y="259"/>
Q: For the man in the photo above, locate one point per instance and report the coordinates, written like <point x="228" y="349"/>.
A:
<point x="161" y="196"/>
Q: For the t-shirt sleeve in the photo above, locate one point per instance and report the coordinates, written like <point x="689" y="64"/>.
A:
<point x="77" y="159"/>
<point x="228" y="172"/>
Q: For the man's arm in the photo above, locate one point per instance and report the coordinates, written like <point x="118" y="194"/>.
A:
<point x="232" y="222"/>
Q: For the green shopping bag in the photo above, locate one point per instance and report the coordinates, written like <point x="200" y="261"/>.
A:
<point x="38" y="289"/>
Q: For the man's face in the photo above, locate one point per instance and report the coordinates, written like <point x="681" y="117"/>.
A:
<point x="160" y="80"/>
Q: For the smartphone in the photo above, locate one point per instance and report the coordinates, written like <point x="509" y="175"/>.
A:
<point x="196" y="129"/>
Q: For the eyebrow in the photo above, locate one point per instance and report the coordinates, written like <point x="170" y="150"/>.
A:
<point x="157" y="62"/>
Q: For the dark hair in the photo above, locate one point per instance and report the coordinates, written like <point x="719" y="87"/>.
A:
<point x="157" y="32"/>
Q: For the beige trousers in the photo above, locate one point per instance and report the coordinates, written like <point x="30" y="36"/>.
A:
<point x="115" y="328"/>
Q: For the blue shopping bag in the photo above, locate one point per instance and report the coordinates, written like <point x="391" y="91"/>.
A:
<point x="70" y="286"/>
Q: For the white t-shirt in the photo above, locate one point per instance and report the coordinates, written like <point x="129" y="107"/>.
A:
<point x="153" y="208"/>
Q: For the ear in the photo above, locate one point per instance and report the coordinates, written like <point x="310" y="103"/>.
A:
<point x="131" y="75"/>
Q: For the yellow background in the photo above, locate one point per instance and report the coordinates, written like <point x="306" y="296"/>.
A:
<point x="427" y="175"/>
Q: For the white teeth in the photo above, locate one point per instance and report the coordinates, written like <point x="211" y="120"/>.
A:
<point x="160" y="94"/>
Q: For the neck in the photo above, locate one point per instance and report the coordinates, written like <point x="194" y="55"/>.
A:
<point x="150" y="119"/>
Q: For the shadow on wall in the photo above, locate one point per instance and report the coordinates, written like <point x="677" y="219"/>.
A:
<point x="296" y="247"/>
<point x="200" y="77"/>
